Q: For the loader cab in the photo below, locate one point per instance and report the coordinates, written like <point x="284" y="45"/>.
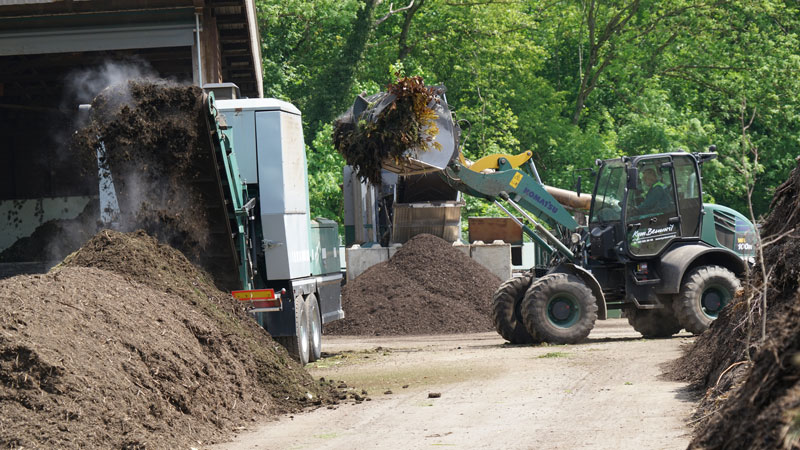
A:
<point x="641" y="204"/>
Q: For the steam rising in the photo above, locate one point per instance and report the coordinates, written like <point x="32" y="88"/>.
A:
<point x="84" y="85"/>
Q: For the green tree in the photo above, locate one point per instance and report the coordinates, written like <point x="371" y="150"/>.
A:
<point x="570" y="80"/>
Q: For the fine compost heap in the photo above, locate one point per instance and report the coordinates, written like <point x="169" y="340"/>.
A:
<point x="427" y="287"/>
<point x="754" y="403"/>
<point x="127" y="345"/>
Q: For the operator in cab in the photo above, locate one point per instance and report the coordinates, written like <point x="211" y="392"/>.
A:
<point x="656" y="196"/>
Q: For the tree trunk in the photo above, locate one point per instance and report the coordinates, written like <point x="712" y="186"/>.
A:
<point x="332" y="94"/>
<point x="404" y="48"/>
<point x="597" y="41"/>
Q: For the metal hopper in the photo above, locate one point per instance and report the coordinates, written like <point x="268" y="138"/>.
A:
<point x="417" y="161"/>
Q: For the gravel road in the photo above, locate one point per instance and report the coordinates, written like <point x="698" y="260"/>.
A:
<point x="605" y="393"/>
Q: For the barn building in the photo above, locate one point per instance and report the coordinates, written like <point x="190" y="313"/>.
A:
<point x="53" y="54"/>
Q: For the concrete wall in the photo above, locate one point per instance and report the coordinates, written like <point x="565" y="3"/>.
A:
<point x="496" y="257"/>
<point x="360" y="259"/>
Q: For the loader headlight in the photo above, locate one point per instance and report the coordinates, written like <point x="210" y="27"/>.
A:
<point x="575" y="238"/>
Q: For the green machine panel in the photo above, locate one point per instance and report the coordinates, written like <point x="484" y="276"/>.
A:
<point x="324" y="246"/>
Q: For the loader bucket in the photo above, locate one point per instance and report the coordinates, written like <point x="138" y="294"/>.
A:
<point x="432" y="160"/>
<point x="414" y="161"/>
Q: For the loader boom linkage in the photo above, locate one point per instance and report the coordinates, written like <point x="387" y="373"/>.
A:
<point x="521" y="191"/>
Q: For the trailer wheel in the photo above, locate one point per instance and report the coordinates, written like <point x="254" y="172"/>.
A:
<point x="559" y="308"/>
<point x="704" y="292"/>
<point x="314" y="328"/>
<point x="653" y="323"/>
<point x="506" y="314"/>
<point x="298" y="345"/>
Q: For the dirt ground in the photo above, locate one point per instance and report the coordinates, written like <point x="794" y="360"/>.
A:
<point x="606" y="393"/>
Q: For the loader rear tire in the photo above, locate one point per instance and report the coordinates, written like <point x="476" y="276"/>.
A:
<point x="314" y="328"/>
<point x="559" y="308"/>
<point x="704" y="292"/>
<point x="506" y="315"/>
<point x="298" y="345"/>
<point x="653" y="323"/>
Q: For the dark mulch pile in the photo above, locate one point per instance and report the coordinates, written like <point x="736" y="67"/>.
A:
<point x="151" y="134"/>
<point x="754" y="404"/>
<point x="127" y="345"/>
<point x="155" y="144"/>
<point x="156" y="149"/>
<point x="427" y="287"/>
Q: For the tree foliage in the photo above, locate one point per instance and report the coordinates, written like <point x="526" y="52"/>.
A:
<point x="571" y="80"/>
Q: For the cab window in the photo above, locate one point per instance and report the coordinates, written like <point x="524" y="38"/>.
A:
<point x="610" y="190"/>
<point x="689" y="198"/>
<point x="651" y="214"/>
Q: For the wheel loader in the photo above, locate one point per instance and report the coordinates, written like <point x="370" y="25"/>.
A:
<point x="650" y="247"/>
<point x="669" y="265"/>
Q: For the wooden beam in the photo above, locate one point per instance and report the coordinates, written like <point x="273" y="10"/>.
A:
<point x="228" y="19"/>
<point x="224" y="3"/>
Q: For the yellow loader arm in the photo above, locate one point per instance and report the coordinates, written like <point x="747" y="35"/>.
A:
<point x="491" y="161"/>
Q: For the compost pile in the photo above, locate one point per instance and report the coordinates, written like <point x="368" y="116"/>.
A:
<point x="755" y="405"/>
<point x="427" y="287"/>
<point x="127" y="345"/>
<point x="387" y="125"/>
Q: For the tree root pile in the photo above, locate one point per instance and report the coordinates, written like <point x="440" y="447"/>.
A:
<point x="427" y="287"/>
<point x="754" y="403"/>
<point x="127" y="345"/>
<point x="391" y="123"/>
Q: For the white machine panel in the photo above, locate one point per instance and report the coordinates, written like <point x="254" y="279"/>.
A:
<point x="287" y="252"/>
<point x="270" y="151"/>
<point x="243" y="123"/>
<point x="281" y="163"/>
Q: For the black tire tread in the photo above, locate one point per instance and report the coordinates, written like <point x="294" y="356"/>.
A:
<point x="292" y="343"/>
<point x="506" y="317"/>
<point x="534" y="309"/>
<point x="313" y="313"/>
<point x="653" y="323"/>
<point x="687" y="303"/>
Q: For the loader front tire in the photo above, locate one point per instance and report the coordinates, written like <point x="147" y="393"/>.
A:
<point x="506" y="315"/>
<point x="653" y="323"/>
<point x="298" y="345"/>
<point x="559" y="308"/>
<point x="704" y="292"/>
